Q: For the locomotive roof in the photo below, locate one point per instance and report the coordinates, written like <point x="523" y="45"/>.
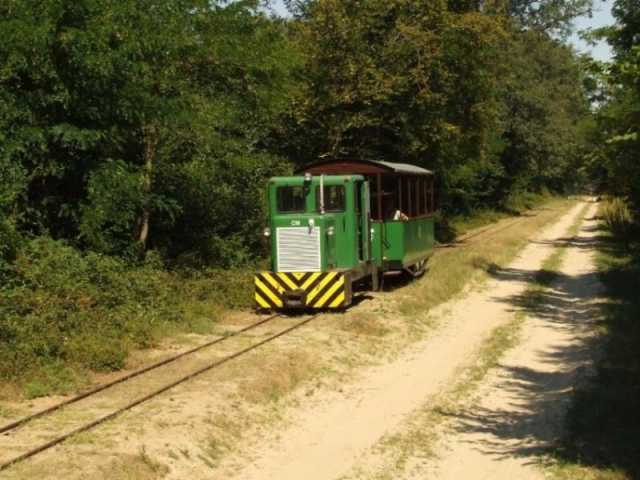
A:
<point x="363" y="167"/>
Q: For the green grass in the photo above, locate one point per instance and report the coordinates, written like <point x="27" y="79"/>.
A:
<point x="603" y="441"/>
<point x="54" y="378"/>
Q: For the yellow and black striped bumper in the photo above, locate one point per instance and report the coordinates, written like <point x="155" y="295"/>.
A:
<point x="302" y="290"/>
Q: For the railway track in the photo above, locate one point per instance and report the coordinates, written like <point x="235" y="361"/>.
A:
<point x="482" y="234"/>
<point x="13" y="426"/>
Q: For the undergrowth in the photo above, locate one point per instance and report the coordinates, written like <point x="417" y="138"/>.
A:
<point x="63" y="312"/>
<point x="617" y="216"/>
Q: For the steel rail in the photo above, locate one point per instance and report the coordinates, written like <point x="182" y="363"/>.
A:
<point x="58" y="440"/>
<point x="18" y="423"/>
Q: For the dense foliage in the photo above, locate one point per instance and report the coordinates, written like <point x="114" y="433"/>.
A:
<point x="615" y="132"/>
<point x="136" y="136"/>
<point x="121" y="121"/>
<point x="490" y="101"/>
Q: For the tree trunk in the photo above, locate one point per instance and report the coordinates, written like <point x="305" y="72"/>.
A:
<point x="150" y="135"/>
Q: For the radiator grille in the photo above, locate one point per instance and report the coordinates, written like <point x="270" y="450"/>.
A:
<point x="298" y="249"/>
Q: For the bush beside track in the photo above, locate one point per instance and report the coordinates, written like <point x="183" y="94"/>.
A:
<point x="64" y="312"/>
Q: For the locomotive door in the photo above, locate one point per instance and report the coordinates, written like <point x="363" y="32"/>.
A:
<point x="363" y="221"/>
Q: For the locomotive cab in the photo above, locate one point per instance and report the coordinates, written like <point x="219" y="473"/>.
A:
<point x="319" y="240"/>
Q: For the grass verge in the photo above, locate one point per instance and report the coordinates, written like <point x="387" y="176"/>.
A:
<point x="450" y="228"/>
<point x="451" y="270"/>
<point x="604" y="419"/>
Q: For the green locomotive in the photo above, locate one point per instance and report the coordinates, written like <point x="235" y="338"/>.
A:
<point x="340" y="222"/>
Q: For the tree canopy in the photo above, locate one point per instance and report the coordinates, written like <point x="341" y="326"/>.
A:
<point x="492" y="107"/>
<point x="122" y="117"/>
<point x="615" y="130"/>
<point x="134" y="126"/>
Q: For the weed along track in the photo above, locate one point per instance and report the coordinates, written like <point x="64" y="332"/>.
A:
<point x="7" y="430"/>
<point x="482" y="234"/>
<point x="18" y="423"/>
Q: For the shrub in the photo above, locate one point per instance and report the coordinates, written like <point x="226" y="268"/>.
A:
<point x="617" y="216"/>
<point x="63" y="310"/>
<point x="519" y="201"/>
<point x="86" y="309"/>
<point x="9" y="240"/>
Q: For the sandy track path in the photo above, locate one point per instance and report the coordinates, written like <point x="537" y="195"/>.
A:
<point x="326" y="440"/>
<point x="518" y="412"/>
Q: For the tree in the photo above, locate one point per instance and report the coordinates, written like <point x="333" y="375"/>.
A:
<point x="119" y="97"/>
<point x="399" y="80"/>
<point x="616" y="136"/>
<point x="545" y="105"/>
<point x="550" y="16"/>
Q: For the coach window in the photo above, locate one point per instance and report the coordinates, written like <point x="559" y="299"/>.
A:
<point x="389" y="196"/>
<point x="290" y="199"/>
<point x="431" y="197"/>
<point x="406" y="196"/>
<point x="420" y="197"/>
<point x="334" y="198"/>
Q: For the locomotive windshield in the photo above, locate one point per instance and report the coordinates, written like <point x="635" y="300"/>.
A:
<point x="291" y="199"/>
<point x="334" y="198"/>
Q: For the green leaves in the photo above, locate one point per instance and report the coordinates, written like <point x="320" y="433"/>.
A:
<point x="615" y="137"/>
<point x="447" y="85"/>
<point x="131" y="119"/>
<point x="84" y="82"/>
<point x="549" y="16"/>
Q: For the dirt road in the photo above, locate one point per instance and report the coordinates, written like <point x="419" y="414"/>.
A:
<point x="518" y="408"/>
<point x="518" y="412"/>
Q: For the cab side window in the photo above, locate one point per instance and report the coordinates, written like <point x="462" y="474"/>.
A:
<point x="290" y="199"/>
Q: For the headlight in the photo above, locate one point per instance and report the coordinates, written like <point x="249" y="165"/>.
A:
<point x="267" y="232"/>
<point x="331" y="231"/>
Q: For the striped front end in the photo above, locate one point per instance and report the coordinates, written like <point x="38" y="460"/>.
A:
<point x="302" y="290"/>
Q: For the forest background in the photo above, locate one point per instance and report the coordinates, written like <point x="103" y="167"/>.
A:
<point x="136" y="138"/>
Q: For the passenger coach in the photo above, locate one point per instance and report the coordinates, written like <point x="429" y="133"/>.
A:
<point x="339" y="222"/>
